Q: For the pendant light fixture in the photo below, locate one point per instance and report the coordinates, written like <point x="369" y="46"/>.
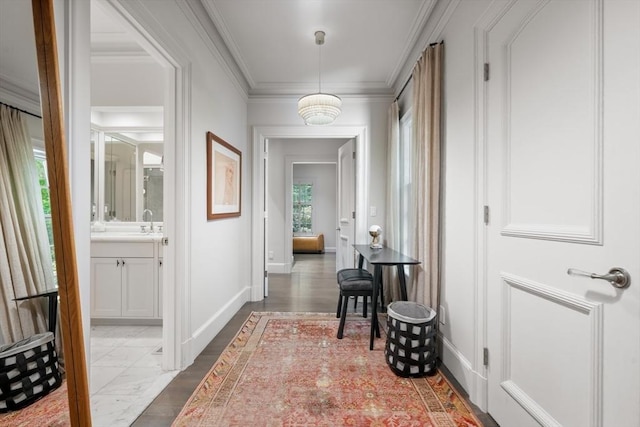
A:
<point x="319" y="108"/>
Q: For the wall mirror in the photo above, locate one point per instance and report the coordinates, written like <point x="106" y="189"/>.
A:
<point x="35" y="87"/>
<point x="127" y="171"/>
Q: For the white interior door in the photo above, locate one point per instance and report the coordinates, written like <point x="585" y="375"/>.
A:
<point x="265" y="203"/>
<point x="346" y="206"/>
<point x="563" y="136"/>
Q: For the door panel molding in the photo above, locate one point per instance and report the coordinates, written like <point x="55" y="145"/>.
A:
<point x="520" y="217"/>
<point x="576" y="303"/>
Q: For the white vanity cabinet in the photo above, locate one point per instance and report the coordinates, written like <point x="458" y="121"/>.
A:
<point x="124" y="280"/>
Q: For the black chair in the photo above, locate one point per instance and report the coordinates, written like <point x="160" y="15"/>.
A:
<point x="353" y="282"/>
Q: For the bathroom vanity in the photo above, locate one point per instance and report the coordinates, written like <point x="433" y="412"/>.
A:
<point x="126" y="277"/>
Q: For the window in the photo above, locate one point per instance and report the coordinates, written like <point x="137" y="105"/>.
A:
<point x="43" y="180"/>
<point x="404" y="185"/>
<point x="302" y="207"/>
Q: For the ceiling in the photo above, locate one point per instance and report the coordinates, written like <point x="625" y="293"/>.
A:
<point x="272" y="43"/>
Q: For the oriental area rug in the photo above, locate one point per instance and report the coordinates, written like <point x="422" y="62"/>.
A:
<point x="289" y="369"/>
<point x="51" y="410"/>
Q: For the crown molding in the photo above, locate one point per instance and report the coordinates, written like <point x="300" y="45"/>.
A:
<point x="288" y="98"/>
<point x="414" y="35"/>
<point x="438" y="18"/>
<point x="119" y="56"/>
<point x="19" y="95"/>
<point x="300" y="89"/>
<point x="227" y="39"/>
<point x="197" y="14"/>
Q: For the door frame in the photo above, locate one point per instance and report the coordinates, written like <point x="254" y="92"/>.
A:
<point x="177" y="113"/>
<point x="479" y="384"/>
<point x="260" y="135"/>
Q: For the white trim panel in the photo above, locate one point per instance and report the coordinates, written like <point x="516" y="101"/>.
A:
<point x="591" y="233"/>
<point x="573" y="302"/>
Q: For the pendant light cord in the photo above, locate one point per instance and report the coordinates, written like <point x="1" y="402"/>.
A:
<point x="319" y="68"/>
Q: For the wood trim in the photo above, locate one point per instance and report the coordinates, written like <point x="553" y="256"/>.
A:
<point x="61" y="214"/>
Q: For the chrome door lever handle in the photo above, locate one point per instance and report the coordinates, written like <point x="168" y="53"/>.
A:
<point x="618" y="277"/>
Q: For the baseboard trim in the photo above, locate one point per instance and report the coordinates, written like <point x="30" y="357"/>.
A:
<point x="279" y="268"/>
<point x="204" y="334"/>
<point x="330" y="250"/>
<point x="460" y="367"/>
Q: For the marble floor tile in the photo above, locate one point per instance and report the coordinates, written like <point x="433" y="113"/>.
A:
<point x="123" y="356"/>
<point x="126" y="372"/>
<point x="101" y="376"/>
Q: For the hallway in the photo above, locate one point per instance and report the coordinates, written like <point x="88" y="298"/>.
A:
<point x="311" y="287"/>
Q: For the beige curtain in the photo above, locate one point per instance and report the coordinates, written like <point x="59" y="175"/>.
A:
<point x="25" y="256"/>
<point x="392" y="230"/>
<point x="427" y="97"/>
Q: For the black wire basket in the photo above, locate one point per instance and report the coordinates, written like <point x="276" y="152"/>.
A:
<point x="28" y="370"/>
<point x="410" y="350"/>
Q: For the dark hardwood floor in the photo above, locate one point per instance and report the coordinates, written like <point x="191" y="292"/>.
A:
<point x="311" y="287"/>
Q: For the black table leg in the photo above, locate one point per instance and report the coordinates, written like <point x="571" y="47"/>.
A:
<point x="403" y="282"/>
<point x="360" y="261"/>
<point x="53" y="312"/>
<point x="377" y="275"/>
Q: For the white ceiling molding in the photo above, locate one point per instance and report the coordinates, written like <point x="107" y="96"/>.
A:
<point x="287" y="99"/>
<point x="271" y="42"/>
<point x="416" y="31"/>
<point x="221" y="27"/>
<point x="18" y="95"/>
<point x="120" y="57"/>
<point x="344" y="89"/>
<point x="201" y="21"/>
<point x="431" y="33"/>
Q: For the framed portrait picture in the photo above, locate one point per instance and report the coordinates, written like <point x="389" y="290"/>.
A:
<point x="224" y="183"/>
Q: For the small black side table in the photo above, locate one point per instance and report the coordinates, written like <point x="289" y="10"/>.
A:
<point x="52" y="295"/>
<point x="378" y="258"/>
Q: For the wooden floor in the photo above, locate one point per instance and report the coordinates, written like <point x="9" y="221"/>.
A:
<point x="311" y="287"/>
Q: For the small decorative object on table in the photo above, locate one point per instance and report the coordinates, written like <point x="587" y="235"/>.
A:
<point x="375" y="231"/>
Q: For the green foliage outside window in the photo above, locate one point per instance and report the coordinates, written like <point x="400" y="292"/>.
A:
<point x="302" y="208"/>
<point x="41" y="165"/>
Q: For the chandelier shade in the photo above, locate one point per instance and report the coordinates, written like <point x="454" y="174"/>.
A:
<point x="319" y="108"/>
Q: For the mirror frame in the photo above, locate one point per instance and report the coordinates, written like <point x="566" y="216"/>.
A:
<point x="61" y="214"/>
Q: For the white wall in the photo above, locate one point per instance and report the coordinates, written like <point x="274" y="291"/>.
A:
<point x="453" y="22"/>
<point x="122" y="82"/>
<point x="324" y="214"/>
<point x="216" y="252"/>
<point x="460" y="211"/>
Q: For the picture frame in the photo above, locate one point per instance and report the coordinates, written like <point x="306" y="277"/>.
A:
<point x="224" y="178"/>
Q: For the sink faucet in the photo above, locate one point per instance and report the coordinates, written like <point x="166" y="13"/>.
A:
<point x="150" y="217"/>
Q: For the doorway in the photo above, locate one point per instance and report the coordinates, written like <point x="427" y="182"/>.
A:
<point x="168" y="112"/>
<point x="263" y="139"/>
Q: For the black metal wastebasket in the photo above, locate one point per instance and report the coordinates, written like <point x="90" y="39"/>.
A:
<point x="411" y="343"/>
<point x="28" y="370"/>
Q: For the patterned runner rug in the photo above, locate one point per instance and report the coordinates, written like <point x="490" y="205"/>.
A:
<point x="289" y="369"/>
<point x="51" y="410"/>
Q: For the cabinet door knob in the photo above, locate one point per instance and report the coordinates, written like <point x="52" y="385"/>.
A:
<point x="117" y="263"/>
<point x="123" y="262"/>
